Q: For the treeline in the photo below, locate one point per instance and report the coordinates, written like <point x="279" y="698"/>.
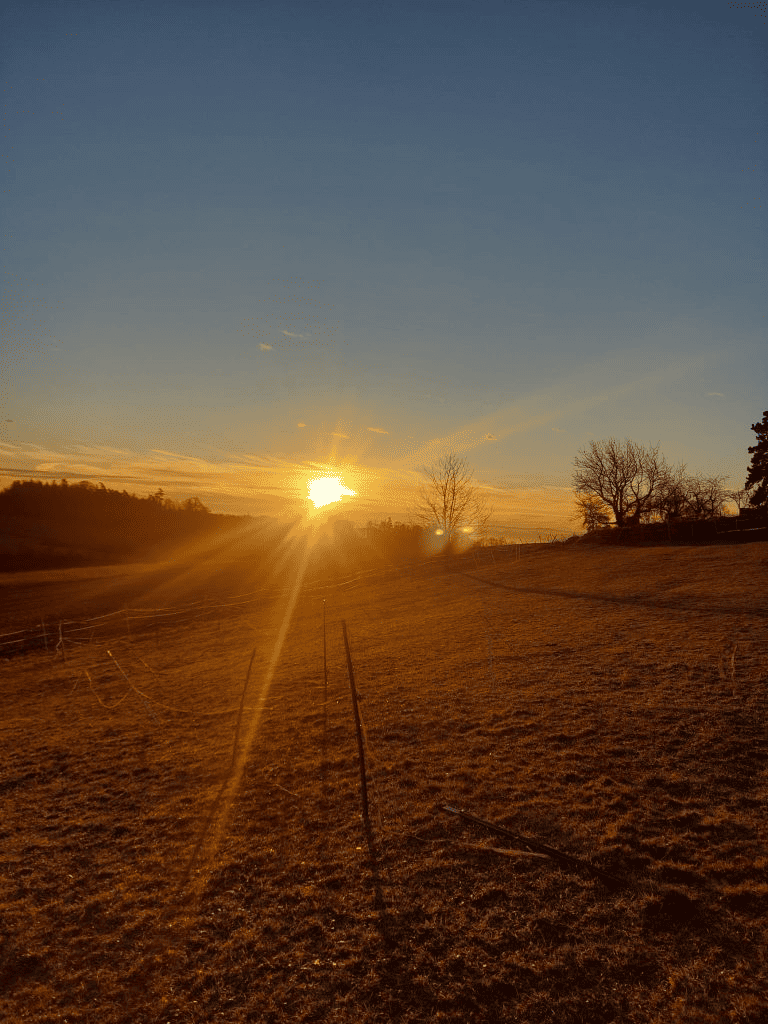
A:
<point x="51" y="500"/>
<point x="394" y="540"/>
<point x="78" y="519"/>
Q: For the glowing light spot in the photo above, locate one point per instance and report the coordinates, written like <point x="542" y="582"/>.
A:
<point x="326" y="490"/>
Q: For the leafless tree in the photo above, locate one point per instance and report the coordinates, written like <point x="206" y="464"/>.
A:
<point x="689" y="497"/>
<point x="707" y="496"/>
<point x="627" y="478"/>
<point x="670" y="497"/>
<point x="590" y="512"/>
<point x="450" y="500"/>
<point x="741" y="496"/>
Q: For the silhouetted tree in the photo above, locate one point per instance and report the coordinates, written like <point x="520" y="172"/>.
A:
<point x="195" y="505"/>
<point x="450" y="500"/>
<point x="625" y="478"/>
<point x="590" y="512"/>
<point x="741" y="496"/>
<point x="757" y="475"/>
<point x="706" y="496"/>
<point x="688" y="497"/>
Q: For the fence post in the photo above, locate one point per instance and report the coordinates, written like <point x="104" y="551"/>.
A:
<point x="325" y="666"/>
<point x="358" y="729"/>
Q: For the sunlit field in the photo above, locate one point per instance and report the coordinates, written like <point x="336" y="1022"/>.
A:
<point x="182" y="827"/>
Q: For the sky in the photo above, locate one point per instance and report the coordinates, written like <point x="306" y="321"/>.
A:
<point x="248" y="243"/>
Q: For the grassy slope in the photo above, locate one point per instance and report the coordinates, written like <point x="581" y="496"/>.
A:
<point x="611" y="703"/>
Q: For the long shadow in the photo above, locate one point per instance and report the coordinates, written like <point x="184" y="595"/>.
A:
<point x="390" y="929"/>
<point x="395" y="974"/>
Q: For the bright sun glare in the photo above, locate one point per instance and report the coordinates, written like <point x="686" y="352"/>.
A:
<point x="326" y="490"/>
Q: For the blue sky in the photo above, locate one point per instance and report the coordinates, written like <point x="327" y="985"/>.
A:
<point x="244" y="242"/>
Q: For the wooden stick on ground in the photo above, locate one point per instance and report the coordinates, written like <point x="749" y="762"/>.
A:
<point x="499" y="849"/>
<point x="565" y="858"/>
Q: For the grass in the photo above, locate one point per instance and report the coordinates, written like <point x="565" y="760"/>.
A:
<point x="611" y="703"/>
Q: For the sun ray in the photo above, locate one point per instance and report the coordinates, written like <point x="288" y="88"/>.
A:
<point x="203" y="860"/>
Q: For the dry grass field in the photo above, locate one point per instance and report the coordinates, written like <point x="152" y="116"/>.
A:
<point x="166" y="858"/>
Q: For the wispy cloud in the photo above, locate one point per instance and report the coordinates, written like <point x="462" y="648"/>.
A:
<point x="719" y="394"/>
<point x="335" y="433"/>
<point x="301" y="424"/>
<point x="491" y="437"/>
<point x="291" y="334"/>
<point x="377" y="430"/>
<point x="100" y="450"/>
<point x="264" y="347"/>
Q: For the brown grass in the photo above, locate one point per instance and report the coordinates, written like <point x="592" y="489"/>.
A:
<point x="610" y="703"/>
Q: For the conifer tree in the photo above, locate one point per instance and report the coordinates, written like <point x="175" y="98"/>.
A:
<point x="758" y="470"/>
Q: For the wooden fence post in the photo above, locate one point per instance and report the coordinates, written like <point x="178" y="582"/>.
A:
<point x="325" y="666"/>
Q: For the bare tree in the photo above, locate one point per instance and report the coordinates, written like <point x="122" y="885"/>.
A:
<point x="627" y="478"/>
<point x="670" y="499"/>
<point x="449" y="500"/>
<point x="590" y="512"/>
<point x="706" y="496"/>
<point x="741" y="496"/>
<point x="689" y="497"/>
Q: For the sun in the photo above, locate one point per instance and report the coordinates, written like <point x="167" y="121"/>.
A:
<point x="327" y="489"/>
